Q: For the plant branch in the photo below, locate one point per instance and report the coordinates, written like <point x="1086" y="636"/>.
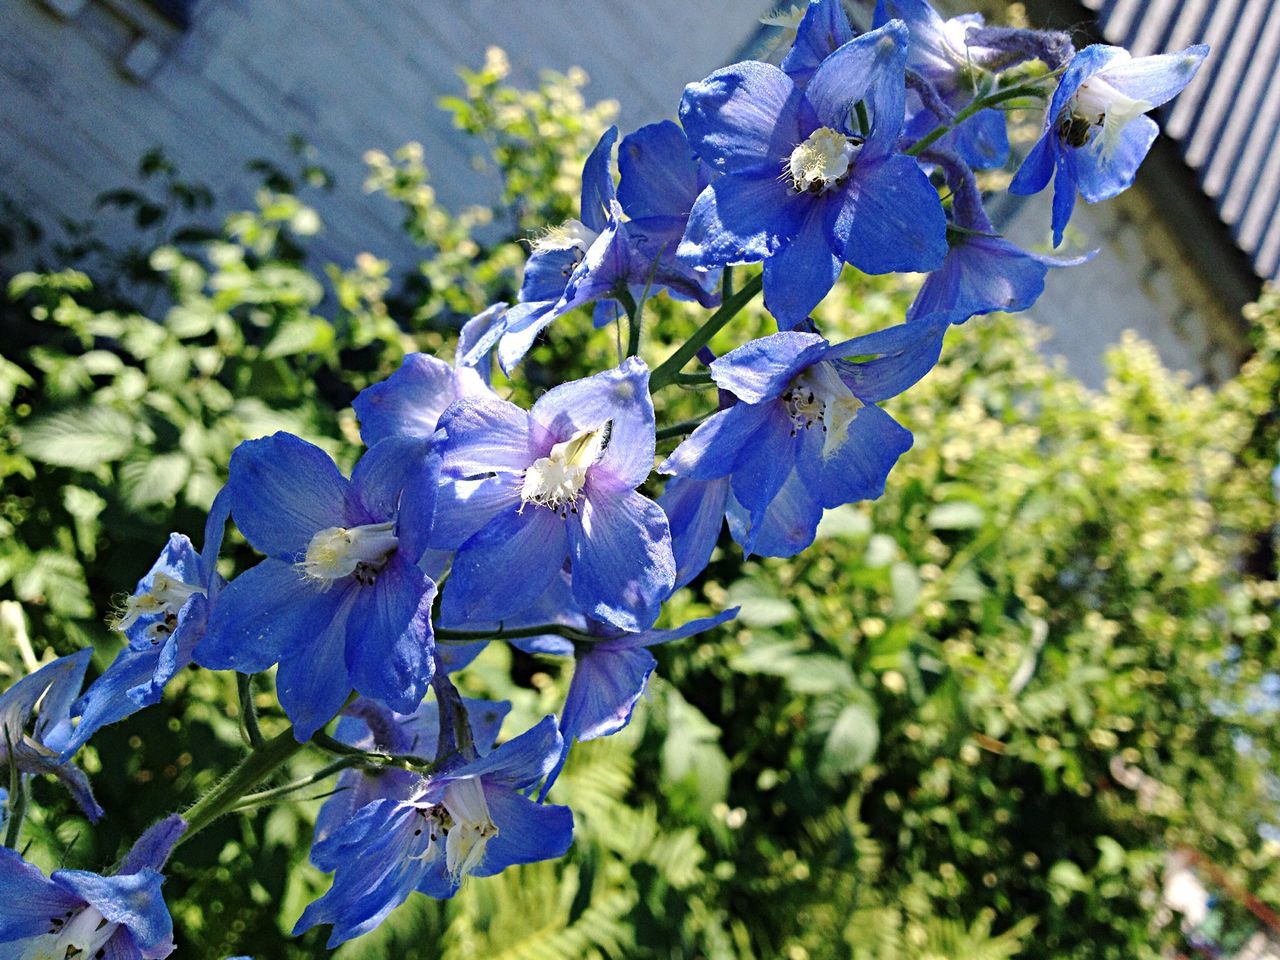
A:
<point x="666" y="372"/>
<point x="991" y="100"/>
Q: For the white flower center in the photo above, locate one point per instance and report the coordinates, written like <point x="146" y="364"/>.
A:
<point x="80" y="934"/>
<point x="822" y="161"/>
<point x="818" y="395"/>
<point x="472" y="826"/>
<point x="571" y="235"/>
<point x="556" y="480"/>
<point x="164" y="598"/>
<point x="1098" y="104"/>
<point x="339" y="552"/>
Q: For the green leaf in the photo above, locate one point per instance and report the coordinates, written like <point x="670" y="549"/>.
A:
<point x="149" y="480"/>
<point x="55" y="580"/>
<point x="83" y="438"/>
<point x="691" y="755"/>
<point x="761" y="607"/>
<point x="302" y="335"/>
<point x="85" y="507"/>
<point x="853" y="738"/>
<point x="845" y="521"/>
<point x="957" y="515"/>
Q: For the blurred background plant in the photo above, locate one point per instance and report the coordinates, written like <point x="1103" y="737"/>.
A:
<point x="971" y="722"/>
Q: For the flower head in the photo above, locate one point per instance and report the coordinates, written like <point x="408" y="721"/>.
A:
<point x="339" y="601"/>
<point x="812" y="177"/>
<point x="1096" y="132"/>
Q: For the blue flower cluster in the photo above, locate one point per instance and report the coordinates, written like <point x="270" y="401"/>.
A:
<point x="469" y="519"/>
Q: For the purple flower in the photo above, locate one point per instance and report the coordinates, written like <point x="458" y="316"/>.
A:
<point x="805" y="435"/>
<point x="163" y="621"/>
<point x="807" y="184"/>
<point x="339" y="601"/>
<point x="983" y="272"/>
<point x="35" y="727"/>
<point x="469" y="820"/>
<point x="1096" y="133"/>
<point x="74" y="913"/>
<point x="550" y="487"/>
<point x="590" y="260"/>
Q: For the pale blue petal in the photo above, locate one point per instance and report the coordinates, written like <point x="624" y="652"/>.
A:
<point x="895" y="220"/>
<point x="870" y="68"/>
<point x="30" y="898"/>
<point x="742" y="218"/>
<point x="505" y="567"/>
<point x="695" y="511"/>
<point x="389" y="641"/>
<point x="527" y="831"/>
<point x="407" y="403"/>
<point x="1103" y="177"/>
<point x="857" y="469"/>
<point x="606" y="685"/>
<point x="713" y="449"/>
<point x="132" y="900"/>
<point x="485" y="435"/>
<point x="465" y="507"/>
<point x="742" y="117"/>
<point x="623" y="567"/>
<point x="1157" y="79"/>
<point x="597" y="182"/>
<point x="312" y="681"/>
<point x="519" y="763"/>
<point x="1037" y="168"/>
<point x="804" y="270"/>
<point x="823" y="29"/>
<point x="659" y="172"/>
<point x="788" y="526"/>
<point x="761" y="369"/>
<point x="894" y="359"/>
<point x="766" y="464"/>
<point x="284" y="490"/>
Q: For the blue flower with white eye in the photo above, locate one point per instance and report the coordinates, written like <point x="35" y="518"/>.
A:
<point x="370" y="725"/>
<point x="471" y="819"/>
<point x="340" y="601"/>
<point x="805" y="435"/>
<point x="74" y="913"/>
<point x="589" y="260"/>
<point x="983" y="272"/>
<point x="812" y="178"/>
<point x="1096" y="132"/>
<point x="163" y="621"/>
<point x="35" y="726"/>
<point x="553" y="486"/>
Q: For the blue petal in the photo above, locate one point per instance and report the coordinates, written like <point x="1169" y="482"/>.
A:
<point x="1037" y="168"/>
<point x="409" y="402"/>
<point x="524" y="322"/>
<point x="263" y="615"/>
<point x="760" y="369"/>
<point x="1092" y="59"/>
<point x="389" y="642"/>
<point x="765" y="466"/>
<point x="152" y="849"/>
<point x="1064" y="193"/>
<point x="465" y="507"/>
<point x="56" y="685"/>
<point x="623" y="567"/>
<point x="895" y="219"/>
<point x="312" y="682"/>
<point x="870" y="68"/>
<point x="929" y="49"/>
<point x="483" y="435"/>
<point x="477" y="339"/>
<point x="29" y="899"/>
<point x="132" y="900"/>
<point x="652" y="638"/>
<point x="618" y="397"/>
<point x="981" y="275"/>
<point x="520" y="762"/>
<point x="900" y="356"/>
<point x="1101" y="178"/>
<point x="215" y="527"/>
<point x="284" y="490"/>
<point x="597" y="182"/>
<point x="606" y="685"/>
<point x="713" y="449"/>
<point x="695" y="511"/>
<point x="743" y="117"/>
<point x="983" y="140"/>
<point x="1157" y="79"/>
<point x="742" y="218"/>
<point x="788" y="526"/>
<point x="397" y="478"/>
<point x="659" y="172"/>
<point x="355" y="790"/>
<point x="527" y="831"/>
<point x="803" y="271"/>
<point x="857" y="469"/>
<point x="546" y="273"/>
<point x="108" y="698"/>
<point x="506" y="566"/>
<point x="823" y="29"/>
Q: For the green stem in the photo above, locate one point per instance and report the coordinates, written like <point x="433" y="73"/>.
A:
<point x="266" y="796"/>
<point x="17" y="813"/>
<point x="623" y="296"/>
<point x="680" y="429"/>
<point x="991" y="100"/>
<point x="666" y="372"/>
<point x="262" y="761"/>
<point x="726" y="283"/>
<point x="248" y="714"/>
<point x="403" y="760"/>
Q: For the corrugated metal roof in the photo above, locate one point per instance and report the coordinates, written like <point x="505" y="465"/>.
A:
<point x="1227" y="121"/>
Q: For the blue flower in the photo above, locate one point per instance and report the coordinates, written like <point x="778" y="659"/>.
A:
<point x="944" y="56"/>
<point x="822" y="30"/>
<point x="805" y="435"/>
<point x="163" y="621"/>
<point x="591" y="259"/>
<point x="553" y="485"/>
<point x="74" y="913"/>
<point x="370" y="725"/>
<point x="409" y="402"/>
<point x="470" y="820"/>
<point x="40" y="747"/>
<point x="339" y="601"/>
<point x="805" y="187"/>
<point x="983" y="272"/>
<point x="1096" y="133"/>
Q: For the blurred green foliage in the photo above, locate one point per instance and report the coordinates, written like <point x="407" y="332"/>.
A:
<point x="911" y="745"/>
